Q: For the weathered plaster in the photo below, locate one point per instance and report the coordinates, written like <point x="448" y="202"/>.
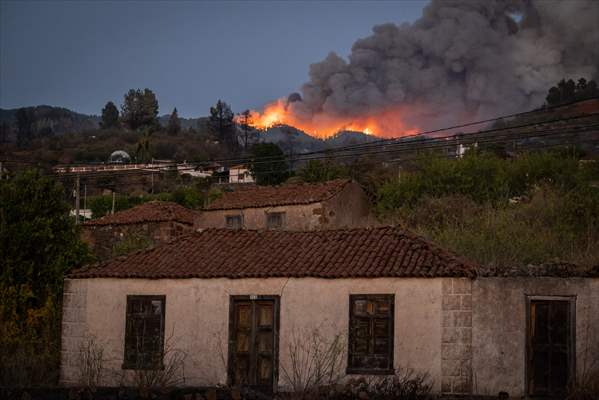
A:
<point x="499" y="328"/>
<point x="197" y="314"/>
<point x="349" y="208"/>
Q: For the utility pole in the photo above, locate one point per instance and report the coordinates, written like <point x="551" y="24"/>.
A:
<point x="77" y="190"/>
<point x="113" y="200"/>
<point x="85" y="197"/>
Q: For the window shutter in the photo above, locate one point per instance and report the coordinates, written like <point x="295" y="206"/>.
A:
<point x="371" y="334"/>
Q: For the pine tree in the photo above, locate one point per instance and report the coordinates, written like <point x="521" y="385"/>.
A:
<point x="140" y="109"/>
<point x="222" y="125"/>
<point x="174" y="123"/>
<point x="110" y="116"/>
<point x="245" y="121"/>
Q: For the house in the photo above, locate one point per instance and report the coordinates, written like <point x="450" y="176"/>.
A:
<point x="240" y="174"/>
<point x="334" y="204"/>
<point x="138" y="227"/>
<point x="244" y="305"/>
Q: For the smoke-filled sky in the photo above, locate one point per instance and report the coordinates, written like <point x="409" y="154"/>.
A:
<point x="462" y="60"/>
<point x="82" y="54"/>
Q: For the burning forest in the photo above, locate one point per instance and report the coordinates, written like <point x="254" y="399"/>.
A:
<point x="461" y="61"/>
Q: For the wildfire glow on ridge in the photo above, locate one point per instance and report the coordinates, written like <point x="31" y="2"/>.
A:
<point x="383" y="123"/>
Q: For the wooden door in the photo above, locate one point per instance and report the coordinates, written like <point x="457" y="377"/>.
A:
<point x="550" y="347"/>
<point x="253" y="341"/>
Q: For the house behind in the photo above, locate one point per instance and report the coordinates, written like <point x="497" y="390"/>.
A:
<point x="141" y="226"/>
<point x="296" y="207"/>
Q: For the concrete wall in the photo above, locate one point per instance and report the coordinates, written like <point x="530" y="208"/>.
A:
<point x="102" y="239"/>
<point x="197" y="317"/>
<point x="499" y="328"/>
<point x="349" y="208"/>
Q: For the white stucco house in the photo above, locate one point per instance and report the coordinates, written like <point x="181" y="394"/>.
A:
<point x="236" y="301"/>
<point x="240" y="174"/>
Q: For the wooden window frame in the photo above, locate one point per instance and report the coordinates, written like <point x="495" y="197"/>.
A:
<point x="283" y="215"/>
<point x="276" y="331"/>
<point x="240" y="216"/>
<point x="137" y="366"/>
<point x="372" y="371"/>
<point x="571" y="299"/>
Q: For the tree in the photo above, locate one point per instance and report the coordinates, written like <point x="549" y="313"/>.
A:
<point x="110" y="116"/>
<point x="142" y="151"/>
<point x="39" y="243"/>
<point x="174" y="123"/>
<point x="268" y="164"/>
<point x="322" y="171"/>
<point x="4" y="130"/>
<point x="25" y="129"/>
<point x="569" y="91"/>
<point x="245" y="121"/>
<point x="222" y="125"/>
<point x="140" y="109"/>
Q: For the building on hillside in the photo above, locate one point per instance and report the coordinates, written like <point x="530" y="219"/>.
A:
<point x="138" y="227"/>
<point x="330" y="205"/>
<point x="240" y="174"/>
<point x="237" y="302"/>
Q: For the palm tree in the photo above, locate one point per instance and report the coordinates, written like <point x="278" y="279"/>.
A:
<point x="142" y="151"/>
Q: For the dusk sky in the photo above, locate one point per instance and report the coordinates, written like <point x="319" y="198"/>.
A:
<point x="80" y="55"/>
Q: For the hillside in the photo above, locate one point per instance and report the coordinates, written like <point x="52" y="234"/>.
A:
<point x="52" y="120"/>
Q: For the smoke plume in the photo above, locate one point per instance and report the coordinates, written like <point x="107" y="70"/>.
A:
<point x="462" y="60"/>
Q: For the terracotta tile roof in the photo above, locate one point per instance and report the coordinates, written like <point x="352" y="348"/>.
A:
<point x="214" y="253"/>
<point x="269" y="196"/>
<point x="153" y="211"/>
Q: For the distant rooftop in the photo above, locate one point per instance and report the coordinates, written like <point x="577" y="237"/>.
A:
<point x="153" y="211"/>
<point x="269" y="196"/>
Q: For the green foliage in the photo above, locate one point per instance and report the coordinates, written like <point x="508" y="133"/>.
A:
<point x="569" y="91"/>
<point x="130" y="243"/>
<point x="39" y="243"/>
<point x="174" y="123"/>
<point x="102" y="205"/>
<point x="140" y="109"/>
<point x="221" y="124"/>
<point x="38" y="240"/>
<point x="110" y="116"/>
<point x="464" y="205"/>
<point x="321" y="171"/>
<point x="25" y="120"/>
<point x="552" y="226"/>
<point x="190" y="196"/>
<point x="268" y="164"/>
<point x="482" y="177"/>
<point x="144" y="145"/>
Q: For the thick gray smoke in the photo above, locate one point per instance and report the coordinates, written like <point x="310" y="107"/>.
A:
<point x="463" y="59"/>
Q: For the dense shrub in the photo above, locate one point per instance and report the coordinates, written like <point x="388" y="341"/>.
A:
<point x="537" y="208"/>
<point x="39" y="243"/>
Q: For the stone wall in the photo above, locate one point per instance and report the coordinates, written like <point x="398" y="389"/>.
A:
<point x="74" y="330"/>
<point x="456" y="348"/>
<point x="104" y="240"/>
<point x="348" y="209"/>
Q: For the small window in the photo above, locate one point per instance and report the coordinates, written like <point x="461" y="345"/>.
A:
<point x="144" y="332"/>
<point x="233" y="221"/>
<point x="275" y="220"/>
<point x="371" y="334"/>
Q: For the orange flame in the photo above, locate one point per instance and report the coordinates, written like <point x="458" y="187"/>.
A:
<point x="384" y="123"/>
